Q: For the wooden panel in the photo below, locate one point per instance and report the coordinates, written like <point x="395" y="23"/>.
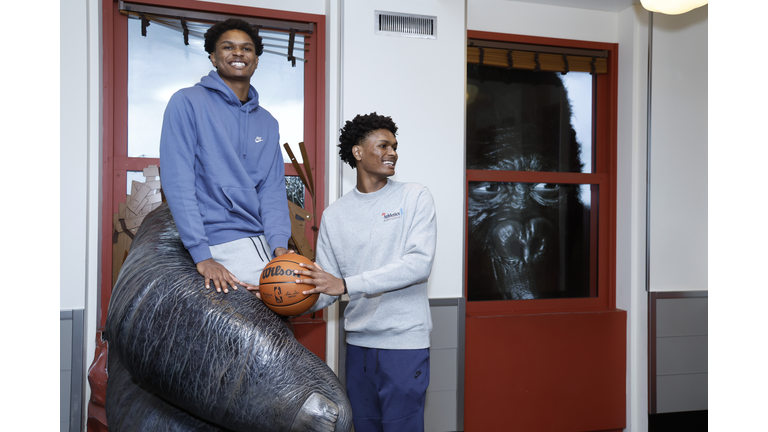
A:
<point x="546" y="372"/>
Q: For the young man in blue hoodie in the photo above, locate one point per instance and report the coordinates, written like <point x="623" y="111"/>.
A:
<point x="222" y="168"/>
<point x="377" y="244"/>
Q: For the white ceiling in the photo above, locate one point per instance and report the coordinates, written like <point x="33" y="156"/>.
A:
<point x="602" y="5"/>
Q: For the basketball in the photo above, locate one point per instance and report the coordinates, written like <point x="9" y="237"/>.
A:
<point x="278" y="287"/>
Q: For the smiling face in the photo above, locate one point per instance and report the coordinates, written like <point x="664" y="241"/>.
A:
<point x="235" y="57"/>
<point x="377" y="155"/>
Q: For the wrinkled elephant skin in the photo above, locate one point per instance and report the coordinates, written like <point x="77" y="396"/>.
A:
<point x="186" y="358"/>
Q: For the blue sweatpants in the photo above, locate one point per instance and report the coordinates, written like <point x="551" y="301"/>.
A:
<point x="387" y="388"/>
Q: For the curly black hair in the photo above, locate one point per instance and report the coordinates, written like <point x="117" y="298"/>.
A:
<point x="357" y="130"/>
<point x="214" y="33"/>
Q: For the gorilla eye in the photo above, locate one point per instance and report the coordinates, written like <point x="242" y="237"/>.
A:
<point x="544" y="187"/>
<point x="486" y="190"/>
<point x="545" y="193"/>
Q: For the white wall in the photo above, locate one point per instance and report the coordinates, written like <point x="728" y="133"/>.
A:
<point x="530" y="19"/>
<point x="420" y="84"/>
<point x="80" y="163"/>
<point x="74" y="153"/>
<point x="630" y="206"/>
<point x="678" y="219"/>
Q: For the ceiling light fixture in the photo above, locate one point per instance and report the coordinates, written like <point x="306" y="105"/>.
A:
<point x="672" y="7"/>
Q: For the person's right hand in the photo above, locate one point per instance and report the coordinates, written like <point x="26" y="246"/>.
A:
<point x="213" y="271"/>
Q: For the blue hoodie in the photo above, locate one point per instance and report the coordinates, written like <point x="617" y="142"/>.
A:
<point x="222" y="168"/>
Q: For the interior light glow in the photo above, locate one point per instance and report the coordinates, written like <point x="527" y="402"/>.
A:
<point x="672" y="7"/>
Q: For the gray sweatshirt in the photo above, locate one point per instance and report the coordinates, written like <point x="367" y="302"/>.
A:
<point x="383" y="244"/>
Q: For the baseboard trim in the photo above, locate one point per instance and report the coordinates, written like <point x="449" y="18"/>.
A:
<point x="689" y="421"/>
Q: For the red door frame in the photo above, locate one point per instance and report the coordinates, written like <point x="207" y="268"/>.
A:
<point x="604" y="176"/>
<point x="554" y="364"/>
<point x="115" y="163"/>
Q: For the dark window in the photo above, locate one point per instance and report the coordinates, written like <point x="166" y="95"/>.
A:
<point x="534" y="183"/>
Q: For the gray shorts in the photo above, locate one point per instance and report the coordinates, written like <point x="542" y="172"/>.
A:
<point x="245" y="258"/>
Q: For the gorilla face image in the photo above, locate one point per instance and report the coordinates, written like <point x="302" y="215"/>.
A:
<point x="526" y="240"/>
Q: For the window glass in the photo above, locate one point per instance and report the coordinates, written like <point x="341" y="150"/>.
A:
<point x="521" y="120"/>
<point x="294" y="187"/>
<point x="159" y="64"/>
<point x="530" y="241"/>
<point x="130" y="177"/>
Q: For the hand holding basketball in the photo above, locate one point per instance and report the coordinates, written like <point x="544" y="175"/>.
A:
<point x="323" y="281"/>
<point x="278" y="287"/>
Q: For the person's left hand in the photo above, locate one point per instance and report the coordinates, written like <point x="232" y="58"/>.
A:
<point x="323" y="281"/>
<point x="281" y="250"/>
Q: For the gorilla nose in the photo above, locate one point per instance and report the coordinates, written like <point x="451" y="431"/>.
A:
<point x="320" y="414"/>
<point x="528" y="243"/>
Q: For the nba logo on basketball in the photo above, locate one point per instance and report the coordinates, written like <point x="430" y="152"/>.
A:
<point x="278" y="287"/>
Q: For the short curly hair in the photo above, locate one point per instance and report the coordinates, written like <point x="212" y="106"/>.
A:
<point x="214" y="33"/>
<point x="357" y="130"/>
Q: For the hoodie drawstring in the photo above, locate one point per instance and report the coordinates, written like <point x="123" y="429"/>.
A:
<point x="213" y="82"/>
<point x="245" y="139"/>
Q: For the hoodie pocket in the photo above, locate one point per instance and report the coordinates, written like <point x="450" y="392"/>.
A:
<point x="243" y="202"/>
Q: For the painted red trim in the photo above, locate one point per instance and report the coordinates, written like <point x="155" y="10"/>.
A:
<point x="320" y="121"/>
<point x="132" y="164"/>
<point x="105" y="282"/>
<point x="535" y="177"/>
<point x="537" y="40"/>
<point x="594" y="237"/>
<point x="613" y="144"/>
<point x="230" y="9"/>
<point x="604" y="176"/>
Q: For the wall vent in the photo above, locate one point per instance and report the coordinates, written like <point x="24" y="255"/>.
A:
<point x="407" y="25"/>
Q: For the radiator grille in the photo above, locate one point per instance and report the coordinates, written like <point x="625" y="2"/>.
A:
<point x="407" y="25"/>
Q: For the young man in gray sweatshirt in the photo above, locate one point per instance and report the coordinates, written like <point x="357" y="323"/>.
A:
<point x="377" y="244"/>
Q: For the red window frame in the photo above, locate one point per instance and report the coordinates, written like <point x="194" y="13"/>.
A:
<point x="606" y="103"/>
<point x="115" y="161"/>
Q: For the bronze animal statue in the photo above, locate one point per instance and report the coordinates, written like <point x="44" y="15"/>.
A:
<point x="186" y="358"/>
